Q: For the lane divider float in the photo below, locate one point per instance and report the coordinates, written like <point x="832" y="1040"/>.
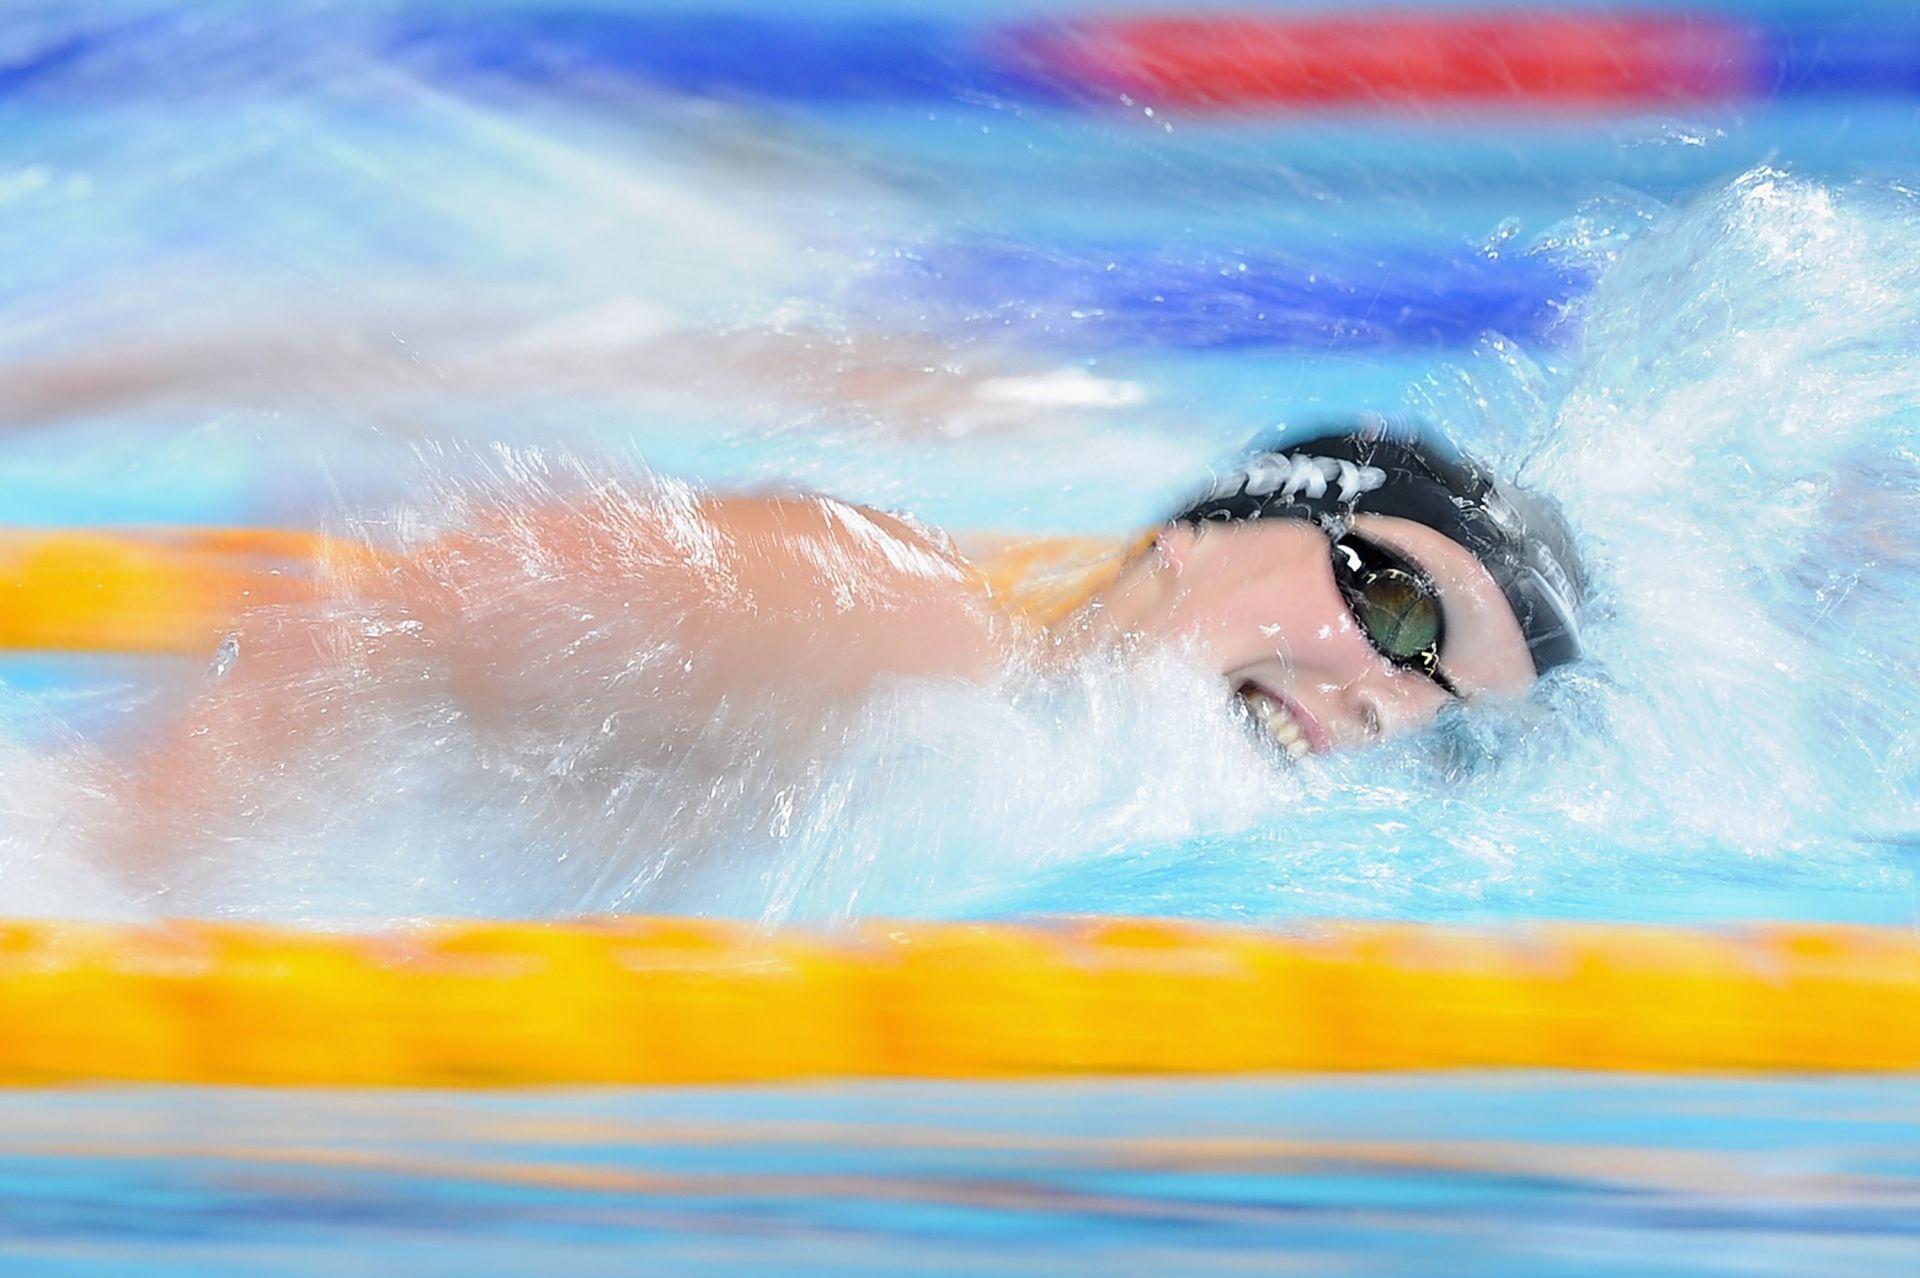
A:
<point x="668" y="1000"/>
<point x="1252" y="62"/>
<point x="1398" y="61"/>
<point x="161" y="591"/>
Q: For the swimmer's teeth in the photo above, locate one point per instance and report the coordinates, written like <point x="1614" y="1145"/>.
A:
<point x="1278" y="723"/>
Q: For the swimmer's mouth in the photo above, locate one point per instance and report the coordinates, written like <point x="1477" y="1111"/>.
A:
<point x="1270" y="714"/>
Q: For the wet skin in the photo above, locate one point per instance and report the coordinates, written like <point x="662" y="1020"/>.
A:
<point x="1258" y="602"/>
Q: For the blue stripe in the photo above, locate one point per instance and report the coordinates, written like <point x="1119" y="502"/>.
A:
<point x="21" y="69"/>
<point x="719" y="55"/>
<point x="1841" y="55"/>
<point x="1205" y="299"/>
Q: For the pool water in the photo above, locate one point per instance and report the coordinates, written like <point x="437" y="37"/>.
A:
<point x="1521" y="1175"/>
<point x="1533" y="1175"/>
<point x="350" y="266"/>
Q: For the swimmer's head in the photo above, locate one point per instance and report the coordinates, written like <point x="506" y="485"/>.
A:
<point x="1351" y="584"/>
<point x="1383" y="468"/>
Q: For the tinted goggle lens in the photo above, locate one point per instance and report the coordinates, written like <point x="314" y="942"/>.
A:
<point x="1397" y="606"/>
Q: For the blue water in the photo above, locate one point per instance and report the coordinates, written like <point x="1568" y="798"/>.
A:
<point x="1521" y="1175"/>
<point x="263" y="270"/>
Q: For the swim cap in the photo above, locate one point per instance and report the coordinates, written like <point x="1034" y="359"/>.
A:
<point x="1383" y="468"/>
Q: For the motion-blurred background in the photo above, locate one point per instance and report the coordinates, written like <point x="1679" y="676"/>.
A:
<point x="333" y="265"/>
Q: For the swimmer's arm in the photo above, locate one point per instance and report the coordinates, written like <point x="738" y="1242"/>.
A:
<point x="806" y="600"/>
<point x="554" y="624"/>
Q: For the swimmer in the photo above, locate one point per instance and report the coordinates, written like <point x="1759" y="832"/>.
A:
<point x="1345" y="588"/>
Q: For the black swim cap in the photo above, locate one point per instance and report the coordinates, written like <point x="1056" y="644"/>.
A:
<point x="1383" y="468"/>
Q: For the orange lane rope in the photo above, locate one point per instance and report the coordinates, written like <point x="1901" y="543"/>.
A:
<point x="161" y="591"/>
<point x="655" y="1000"/>
<point x="177" y="591"/>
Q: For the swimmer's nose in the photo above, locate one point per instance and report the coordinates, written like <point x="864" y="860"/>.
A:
<point x="1358" y="696"/>
<point x="1386" y="702"/>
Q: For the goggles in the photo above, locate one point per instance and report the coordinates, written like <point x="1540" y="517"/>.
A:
<point x="1396" y="605"/>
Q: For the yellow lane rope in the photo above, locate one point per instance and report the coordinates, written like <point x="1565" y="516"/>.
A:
<point x="172" y="590"/>
<point x="178" y="590"/>
<point x="653" y="1000"/>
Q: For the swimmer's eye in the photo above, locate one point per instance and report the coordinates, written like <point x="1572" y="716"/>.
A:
<point x="1397" y="606"/>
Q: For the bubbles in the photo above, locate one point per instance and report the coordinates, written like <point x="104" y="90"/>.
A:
<point x="1735" y="444"/>
<point x="224" y="656"/>
<point x="47" y="793"/>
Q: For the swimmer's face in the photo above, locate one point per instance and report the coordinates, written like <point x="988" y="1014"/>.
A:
<point x="1260" y="601"/>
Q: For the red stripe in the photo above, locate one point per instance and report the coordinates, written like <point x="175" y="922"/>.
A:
<point x="1399" y="60"/>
